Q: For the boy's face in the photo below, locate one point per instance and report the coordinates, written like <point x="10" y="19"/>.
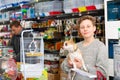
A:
<point x="16" y="30"/>
<point x="87" y="29"/>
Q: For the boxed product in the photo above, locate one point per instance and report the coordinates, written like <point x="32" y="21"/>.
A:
<point x="63" y="76"/>
<point x="53" y="76"/>
<point x="112" y="11"/>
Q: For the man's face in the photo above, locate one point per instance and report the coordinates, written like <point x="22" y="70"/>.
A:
<point x="15" y="30"/>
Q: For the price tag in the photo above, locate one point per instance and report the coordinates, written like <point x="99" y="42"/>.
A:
<point x="82" y="9"/>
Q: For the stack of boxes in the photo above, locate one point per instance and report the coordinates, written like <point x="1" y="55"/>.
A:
<point x="63" y="75"/>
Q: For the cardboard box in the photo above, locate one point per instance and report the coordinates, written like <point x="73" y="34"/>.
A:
<point x="63" y="76"/>
<point x="60" y="61"/>
<point x="53" y="76"/>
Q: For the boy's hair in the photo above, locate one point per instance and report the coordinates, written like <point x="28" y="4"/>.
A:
<point x="15" y="23"/>
<point x="91" y="18"/>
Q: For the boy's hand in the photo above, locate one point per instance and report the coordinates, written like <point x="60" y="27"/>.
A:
<point x="70" y="64"/>
<point x="78" y="63"/>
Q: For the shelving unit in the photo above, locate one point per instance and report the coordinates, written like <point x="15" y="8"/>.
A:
<point x="63" y="17"/>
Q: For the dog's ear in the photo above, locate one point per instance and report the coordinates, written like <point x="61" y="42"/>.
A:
<point x="71" y="39"/>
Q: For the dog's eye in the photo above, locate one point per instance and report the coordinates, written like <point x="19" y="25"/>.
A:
<point x="65" y="44"/>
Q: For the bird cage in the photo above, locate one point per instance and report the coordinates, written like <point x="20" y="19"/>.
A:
<point x="31" y="56"/>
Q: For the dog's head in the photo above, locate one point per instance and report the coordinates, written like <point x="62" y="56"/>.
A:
<point x="70" y="45"/>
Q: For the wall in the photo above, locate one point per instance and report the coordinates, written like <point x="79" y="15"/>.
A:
<point x="111" y="32"/>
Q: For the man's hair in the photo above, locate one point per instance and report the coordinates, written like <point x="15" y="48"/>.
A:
<point x="15" y="23"/>
<point x="88" y="17"/>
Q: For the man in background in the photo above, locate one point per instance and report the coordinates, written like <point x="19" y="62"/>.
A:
<point x="16" y="29"/>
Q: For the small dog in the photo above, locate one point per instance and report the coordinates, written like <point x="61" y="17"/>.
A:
<point x="74" y="52"/>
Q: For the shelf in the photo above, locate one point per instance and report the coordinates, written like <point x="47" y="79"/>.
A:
<point x="59" y="16"/>
<point x="36" y="1"/>
<point x="40" y="29"/>
<point x="10" y="9"/>
<point x="54" y="40"/>
<point x="51" y="51"/>
<point x="45" y="27"/>
<point x="5" y="21"/>
<point x="68" y="15"/>
<point x="55" y="59"/>
<point x="12" y="6"/>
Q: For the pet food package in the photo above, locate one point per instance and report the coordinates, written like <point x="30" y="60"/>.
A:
<point x="12" y="69"/>
<point x="9" y="68"/>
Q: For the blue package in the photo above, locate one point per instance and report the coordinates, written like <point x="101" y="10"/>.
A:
<point x="112" y="11"/>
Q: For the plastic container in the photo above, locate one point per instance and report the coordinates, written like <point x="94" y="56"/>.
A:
<point x="89" y="2"/>
<point x="69" y="4"/>
<point x="48" y="6"/>
<point x="96" y="2"/>
<point x="31" y="12"/>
